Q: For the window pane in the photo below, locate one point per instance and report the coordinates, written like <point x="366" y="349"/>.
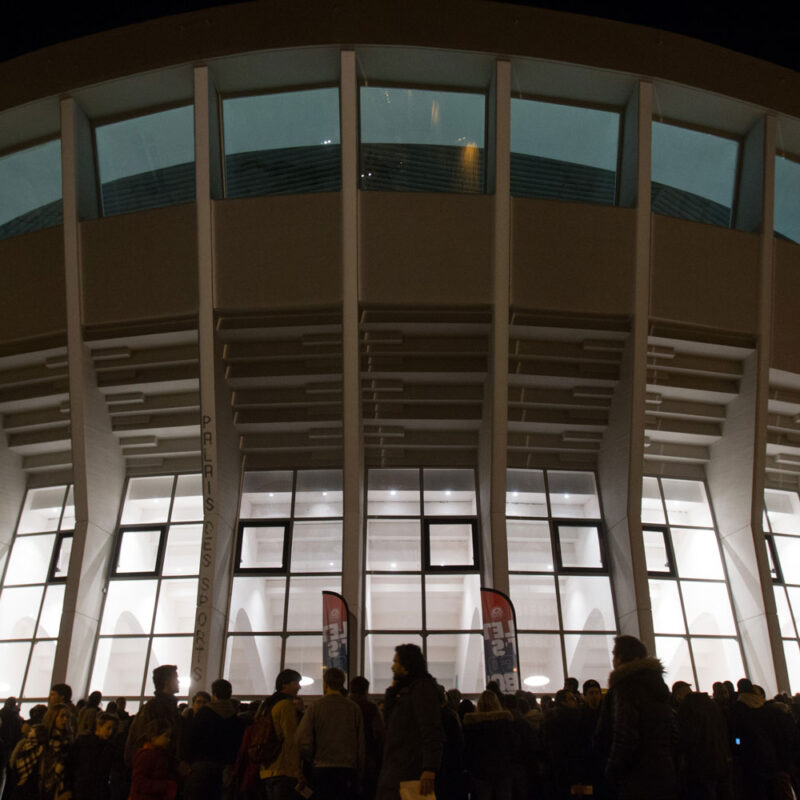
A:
<point x="14" y="658"/>
<point x="304" y="653"/>
<point x="588" y="656"/>
<point x="652" y="509"/>
<point x="716" y="660"/>
<point x="450" y="544"/>
<point x="138" y="551"/>
<point x="541" y="662"/>
<point x="784" y="614"/>
<point x="792" y="651"/>
<point x="457" y="661"/>
<point x="147" y="161"/>
<point x="655" y="551"/>
<point x="666" y="604"/>
<point x="686" y="503"/>
<point x="794" y="599"/>
<point x="61" y="568"/>
<point x="393" y="492"/>
<point x="252" y="664"/>
<point x="421" y="140"/>
<point x="129" y="607"/>
<point x="182" y="556"/>
<point x="697" y="553"/>
<point x="262" y="547"/>
<point x="529" y="546"/>
<point x="147" y="500"/>
<point x="787" y="198"/>
<point x="586" y="603"/>
<point x="319" y="493"/>
<point x="394" y="602"/>
<point x="18" y="611"/>
<point x="173" y="650"/>
<point x="708" y="608"/>
<point x="266" y="495"/>
<point x="673" y="653"/>
<point x="788" y="548"/>
<point x="783" y="510"/>
<point x="68" y="517"/>
<point x="40" y="671"/>
<point x="525" y="494"/>
<point x="534" y="599"/>
<point x="453" y="602"/>
<point x="580" y="547"/>
<point x="305" y="602"/>
<point x="50" y="618"/>
<point x="573" y="494"/>
<point x="378" y="657"/>
<point x="393" y="544"/>
<point x="282" y="143"/>
<point x="119" y="667"/>
<point x="188" y="503"/>
<point x="41" y="510"/>
<point x="317" y="547"/>
<point x="30" y="198"/>
<point x="563" y="152"/>
<point x="257" y="604"/>
<point x="177" y="603"/>
<point x="30" y="559"/>
<point x="693" y="174"/>
<point x="449" y="492"/>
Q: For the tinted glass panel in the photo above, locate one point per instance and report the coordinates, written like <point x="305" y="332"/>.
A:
<point x="138" y="551"/>
<point x="42" y="510"/>
<point x="456" y="659"/>
<point x="266" y="494"/>
<point x="147" y="500"/>
<point x="573" y="494"/>
<point x="251" y="663"/>
<point x="534" y="598"/>
<point x="449" y="492"/>
<point x="450" y="544"/>
<point x="393" y="544"/>
<point x="525" y="493"/>
<point x="262" y="547"/>
<point x="529" y="545"/>
<point x="393" y="492"/>
<point x="655" y="551"/>
<point x="783" y="510"/>
<point x="257" y="604"/>
<point x="787" y="198"/>
<point x="580" y="547"/>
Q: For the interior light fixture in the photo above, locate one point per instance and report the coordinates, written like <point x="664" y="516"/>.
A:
<point x="324" y="494"/>
<point x="306" y="681"/>
<point x="515" y="494"/>
<point x="536" y="680"/>
<point x="392" y="492"/>
<point x="447" y="492"/>
<point x="272" y="494"/>
<point x="393" y="565"/>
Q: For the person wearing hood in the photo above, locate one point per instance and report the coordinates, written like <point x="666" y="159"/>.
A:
<point x="489" y="747"/>
<point x="641" y="725"/>
<point x="214" y="734"/>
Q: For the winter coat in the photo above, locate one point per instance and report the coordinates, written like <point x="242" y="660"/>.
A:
<point x="90" y="766"/>
<point x="162" y="707"/>
<point x="215" y="733"/>
<point x="153" y="775"/>
<point x="704" y="754"/>
<point x="489" y="744"/>
<point x="642" y="732"/>
<point x="563" y="733"/>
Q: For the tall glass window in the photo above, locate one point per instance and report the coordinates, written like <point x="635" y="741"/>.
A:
<point x="30" y="189"/>
<point x="564" y="152"/>
<point x="787" y="198"/>
<point x="289" y="551"/>
<point x="32" y="593"/>
<point x="147" y="161"/>
<point x="422" y="140"/>
<point x="282" y="143"/>
<point x="696" y="634"/>
<point x="558" y="575"/>
<point x="782" y="528"/>
<point x="149" y="610"/>
<point x="693" y="174"/>
<point x="422" y="578"/>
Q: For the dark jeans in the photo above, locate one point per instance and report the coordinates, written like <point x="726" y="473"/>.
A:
<point x="279" y="788"/>
<point x="334" y="783"/>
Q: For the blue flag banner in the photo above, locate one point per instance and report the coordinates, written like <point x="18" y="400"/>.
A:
<point x="500" y="640"/>
<point x="334" y="632"/>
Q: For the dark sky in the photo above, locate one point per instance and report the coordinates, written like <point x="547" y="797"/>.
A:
<point x="765" y="29"/>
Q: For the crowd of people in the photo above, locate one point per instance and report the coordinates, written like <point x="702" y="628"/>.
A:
<point x="637" y="740"/>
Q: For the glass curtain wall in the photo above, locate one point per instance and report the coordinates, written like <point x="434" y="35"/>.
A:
<point x="422" y="574"/>
<point x="149" y="609"/>
<point x="289" y="551"/>
<point x="558" y="575"/>
<point x="787" y="198"/>
<point x="32" y="594"/>
<point x="282" y="143"/>
<point x="696" y="633"/>
<point x="564" y="152"/>
<point x="782" y="528"/>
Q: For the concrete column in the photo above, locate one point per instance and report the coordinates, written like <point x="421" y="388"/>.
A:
<point x="622" y="451"/>
<point x="97" y="461"/>
<point x="353" y="466"/>
<point x="12" y="490"/>
<point x="221" y="461"/>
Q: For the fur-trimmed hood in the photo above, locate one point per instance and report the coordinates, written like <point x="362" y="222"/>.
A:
<point x="474" y="717"/>
<point x="627" y="670"/>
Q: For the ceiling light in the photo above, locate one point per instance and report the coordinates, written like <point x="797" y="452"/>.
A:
<point x="392" y="492"/>
<point x="447" y="492"/>
<point x="306" y="681"/>
<point x="324" y="494"/>
<point x="515" y="494"/>
<point x="536" y="680"/>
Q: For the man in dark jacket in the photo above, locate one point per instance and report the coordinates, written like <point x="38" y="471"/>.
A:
<point x="642" y="725"/>
<point x="414" y="736"/>
<point x="90" y="760"/>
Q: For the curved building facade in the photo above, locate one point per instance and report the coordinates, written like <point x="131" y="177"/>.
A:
<point x="308" y="299"/>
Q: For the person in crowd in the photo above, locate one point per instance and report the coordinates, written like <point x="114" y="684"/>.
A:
<point x="452" y="782"/>
<point x="639" y="728"/>
<point x="91" y="759"/>
<point x="331" y="737"/>
<point x="214" y="735"/>
<point x="466" y="706"/>
<point x="563" y="736"/>
<point x="10" y="734"/>
<point x="200" y="699"/>
<point x="87" y="718"/>
<point x="489" y="747"/>
<point x="414" y="734"/>
<point x="679" y="691"/>
<point x="572" y="685"/>
<point x="374" y="734"/>
<point x="590" y="717"/>
<point x="61" y="695"/>
<point x="25" y="762"/>
<point x="56" y="737"/>
<point x="154" y="774"/>
<point x="121" y="713"/>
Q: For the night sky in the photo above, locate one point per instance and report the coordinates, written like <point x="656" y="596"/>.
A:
<point x="767" y="29"/>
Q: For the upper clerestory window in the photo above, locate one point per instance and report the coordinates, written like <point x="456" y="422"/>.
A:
<point x="421" y="140"/>
<point x="30" y="189"/>
<point x="282" y="143"/>
<point x="564" y="152"/>
<point x="787" y="198"/>
<point x="693" y="174"/>
<point x="147" y="161"/>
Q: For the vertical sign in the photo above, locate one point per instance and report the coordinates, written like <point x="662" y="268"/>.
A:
<point x="334" y="631"/>
<point x="500" y="640"/>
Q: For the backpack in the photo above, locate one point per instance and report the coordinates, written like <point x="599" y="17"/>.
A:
<point x="265" y="742"/>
